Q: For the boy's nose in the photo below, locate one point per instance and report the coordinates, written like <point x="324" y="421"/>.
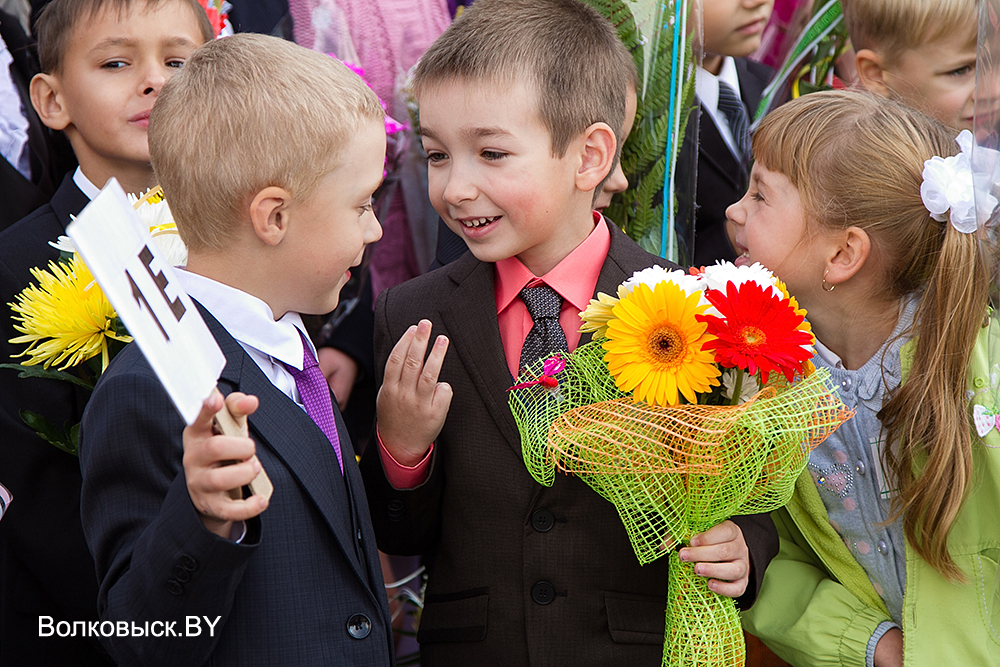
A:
<point x="459" y="188"/>
<point x="374" y="231"/>
<point x="616" y="181"/>
<point x="153" y="81"/>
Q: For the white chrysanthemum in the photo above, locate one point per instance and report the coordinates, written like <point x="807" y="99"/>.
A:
<point x="169" y="241"/>
<point x="160" y="221"/>
<point x="747" y="390"/>
<point x="654" y="275"/>
<point x="153" y="215"/>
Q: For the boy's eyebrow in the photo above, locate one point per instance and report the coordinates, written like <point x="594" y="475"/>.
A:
<point x="114" y="42"/>
<point x="471" y="133"/>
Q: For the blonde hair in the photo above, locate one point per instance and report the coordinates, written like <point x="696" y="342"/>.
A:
<point x="60" y="18"/>
<point x="857" y="160"/>
<point x="890" y="27"/>
<point x="244" y="113"/>
<point x="568" y="53"/>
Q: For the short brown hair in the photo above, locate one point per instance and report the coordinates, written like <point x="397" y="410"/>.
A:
<point x="244" y="113"/>
<point x="567" y="52"/>
<point x="890" y="27"/>
<point x="59" y="18"/>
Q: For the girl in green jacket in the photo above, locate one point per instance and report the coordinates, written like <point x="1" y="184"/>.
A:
<point x="890" y="544"/>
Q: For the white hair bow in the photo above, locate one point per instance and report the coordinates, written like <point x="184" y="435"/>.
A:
<point x="949" y="186"/>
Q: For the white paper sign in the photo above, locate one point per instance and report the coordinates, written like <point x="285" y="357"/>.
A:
<point x="5" y="498"/>
<point x="143" y="289"/>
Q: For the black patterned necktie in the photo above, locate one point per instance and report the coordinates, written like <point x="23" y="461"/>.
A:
<point x="546" y="336"/>
<point x="739" y="119"/>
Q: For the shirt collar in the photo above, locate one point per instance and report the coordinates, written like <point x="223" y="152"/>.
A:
<point x="885" y="365"/>
<point x="249" y="320"/>
<point x="86" y="186"/>
<point x="574" y="278"/>
<point x="706" y="84"/>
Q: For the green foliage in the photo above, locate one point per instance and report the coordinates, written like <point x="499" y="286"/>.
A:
<point x="639" y="210"/>
<point x="48" y="374"/>
<point x="66" y="438"/>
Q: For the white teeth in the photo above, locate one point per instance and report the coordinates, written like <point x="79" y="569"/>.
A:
<point x="478" y="222"/>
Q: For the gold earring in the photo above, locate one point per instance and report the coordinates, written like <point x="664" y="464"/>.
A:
<point x="832" y="287"/>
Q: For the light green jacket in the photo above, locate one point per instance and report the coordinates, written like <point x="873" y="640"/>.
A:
<point x="817" y="606"/>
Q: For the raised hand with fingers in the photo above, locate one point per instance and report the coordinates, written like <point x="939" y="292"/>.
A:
<point x="412" y="404"/>
<point x="217" y="466"/>
<point x="721" y="554"/>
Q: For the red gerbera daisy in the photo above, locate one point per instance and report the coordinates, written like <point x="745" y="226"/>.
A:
<point x="757" y="330"/>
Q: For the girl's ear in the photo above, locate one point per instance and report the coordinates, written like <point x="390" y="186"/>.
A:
<point x="597" y="153"/>
<point x="269" y="212"/>
<point x="850" y="252"/>
<point x="871" y="72"/>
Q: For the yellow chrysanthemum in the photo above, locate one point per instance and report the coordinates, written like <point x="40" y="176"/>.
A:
<point x="65" y="319"/>
<point x="654" y="346"/>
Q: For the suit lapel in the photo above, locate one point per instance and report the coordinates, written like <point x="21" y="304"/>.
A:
<point x="69" y="200"/>
<point x="293" y="439"/>
<point x="471" y="317"/>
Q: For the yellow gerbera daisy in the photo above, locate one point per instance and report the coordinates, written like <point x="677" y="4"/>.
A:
<point x="65" y="319"/>
<point x="654" y="346"/>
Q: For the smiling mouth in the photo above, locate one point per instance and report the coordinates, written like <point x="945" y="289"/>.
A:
<point x="472" y="223"/>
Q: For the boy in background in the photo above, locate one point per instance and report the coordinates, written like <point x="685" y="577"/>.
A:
<point x="919" y="52"/>
<point x="729" y="88"/>
<point x="103" y="63"/>
<point x="282" y="183"/>
<point x="521" y="108"/>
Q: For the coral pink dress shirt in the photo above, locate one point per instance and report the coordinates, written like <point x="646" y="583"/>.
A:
<point x="574" y="278"/>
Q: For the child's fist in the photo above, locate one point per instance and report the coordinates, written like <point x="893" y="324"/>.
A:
<point x="216" y="466"/>
<point x="721" y="554"/>
<point x="412" y="404"/>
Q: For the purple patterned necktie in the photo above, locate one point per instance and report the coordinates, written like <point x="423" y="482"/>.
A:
<point x="315" y="393"/>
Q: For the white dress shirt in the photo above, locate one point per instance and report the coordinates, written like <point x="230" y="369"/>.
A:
<point x="272" y="344"/>
<point x="85" y="184"/>
<point x="706" y="87"/>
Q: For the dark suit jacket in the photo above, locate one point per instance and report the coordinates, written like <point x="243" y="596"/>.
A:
<point x="306" y="575"/>
<point x="50" y="154"/>
<point x="722" y="179"/>
<point x="45" y="568"/>
<point x="493" y="538"/>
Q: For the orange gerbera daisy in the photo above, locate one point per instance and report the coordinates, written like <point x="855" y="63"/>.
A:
<point x="655" y="345"/>
<point x="757" y="330"/>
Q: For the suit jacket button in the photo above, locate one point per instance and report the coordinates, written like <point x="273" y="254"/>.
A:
<point x="543" y="592"/>
<point x="188" y="563"/>
<point x="181" y="575"/>
<point x="358" y="626"/>
<point x="542" y="520"/>
<point x="173" y="587"/>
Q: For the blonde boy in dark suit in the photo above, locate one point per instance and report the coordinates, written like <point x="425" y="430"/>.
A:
<point x="269" y="155"/>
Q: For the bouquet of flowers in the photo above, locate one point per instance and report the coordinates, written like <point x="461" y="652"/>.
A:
<point x="695" y="401"/>
<point x="71" y="330"/>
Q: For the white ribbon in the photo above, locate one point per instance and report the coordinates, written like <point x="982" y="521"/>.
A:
<point x="949" y="187"/>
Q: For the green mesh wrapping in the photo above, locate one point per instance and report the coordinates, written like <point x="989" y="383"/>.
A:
<point x="675" y="471"/>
